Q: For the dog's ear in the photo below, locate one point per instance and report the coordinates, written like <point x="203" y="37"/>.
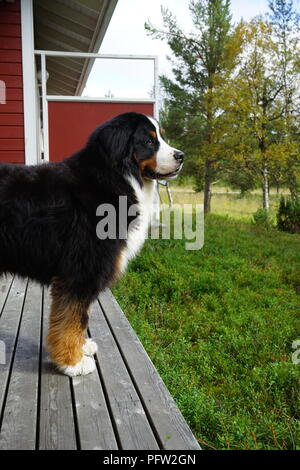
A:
<point x="113" y="141"/>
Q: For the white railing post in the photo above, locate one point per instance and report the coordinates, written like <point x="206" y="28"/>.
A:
<point x="29" y="91"/>
<point x="45" y="108"/>
<point x="156" y="89"/>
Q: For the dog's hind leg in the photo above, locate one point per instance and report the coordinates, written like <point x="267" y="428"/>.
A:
<point x="67" y="344"/>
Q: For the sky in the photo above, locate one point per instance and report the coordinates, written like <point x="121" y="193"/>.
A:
<point x="126" y="35"/>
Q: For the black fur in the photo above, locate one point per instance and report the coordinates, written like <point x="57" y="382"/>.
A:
<point x="48" y="212"/>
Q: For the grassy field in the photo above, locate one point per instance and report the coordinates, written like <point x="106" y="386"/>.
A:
<point x="219" y="325"/>
<point x="224" y="201"/>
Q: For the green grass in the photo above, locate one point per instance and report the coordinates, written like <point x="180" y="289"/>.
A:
<point x="219" y="324"/>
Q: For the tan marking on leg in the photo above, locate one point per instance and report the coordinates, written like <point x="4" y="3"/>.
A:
<point x="119" y="264"/>
<point x="66" y="335"/>
<point x="118" y="268"/>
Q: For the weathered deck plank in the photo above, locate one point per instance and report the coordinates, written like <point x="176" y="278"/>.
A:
<point x="5" y="283"/>
<point x="94" y="422"/>
<point x="122" y="405"/>
<point x="9" y="324"/>
<point x="20" y="416"/>
<point x="133" y="427"/>
<point x="56" y="423"/>
<point x="169" y="423"/>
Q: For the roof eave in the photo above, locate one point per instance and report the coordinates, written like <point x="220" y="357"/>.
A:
<point x="102" y="25"/>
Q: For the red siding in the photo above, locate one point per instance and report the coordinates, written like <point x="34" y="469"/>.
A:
<point x="70" y="123"/>
<point x="11" y="113"/>
<point x="11" y="81"/>
<point x="10" y="68"/>
<point x="11" y="132"/>
<point x="11" y="120"/>
<point x="10" y="56"/>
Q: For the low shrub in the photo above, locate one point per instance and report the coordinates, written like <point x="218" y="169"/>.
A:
<point x="262" y="218"/>
<point x="288" y="216"/>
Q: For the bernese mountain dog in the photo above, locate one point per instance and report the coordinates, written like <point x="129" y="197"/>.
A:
<point x="48" y="221"/>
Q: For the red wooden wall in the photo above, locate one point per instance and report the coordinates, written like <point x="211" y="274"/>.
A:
<point x="71" y="123"/>
<point x="11" y="113"/>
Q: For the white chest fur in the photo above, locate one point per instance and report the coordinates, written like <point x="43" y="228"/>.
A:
<point x="138" y="230"/>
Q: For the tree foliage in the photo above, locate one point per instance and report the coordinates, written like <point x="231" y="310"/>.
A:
<point x="285" y="22"/>
<point x="258" y="95"/>
<point x="201" y="62"/>
<point x="233" y="101"/>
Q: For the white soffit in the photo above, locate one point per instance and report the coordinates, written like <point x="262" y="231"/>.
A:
<point x="73" y="26"/>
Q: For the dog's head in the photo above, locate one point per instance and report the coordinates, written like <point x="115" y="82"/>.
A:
<point x="133" y="141"/>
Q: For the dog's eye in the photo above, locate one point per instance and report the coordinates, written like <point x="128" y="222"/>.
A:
<point x="149" y="142"/>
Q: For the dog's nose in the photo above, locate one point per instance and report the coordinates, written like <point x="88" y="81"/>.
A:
<point x="179" y="156"/>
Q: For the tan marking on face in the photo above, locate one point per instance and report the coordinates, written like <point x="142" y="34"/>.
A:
<point x="153" y="134"/>
<point x="150" y="163"/>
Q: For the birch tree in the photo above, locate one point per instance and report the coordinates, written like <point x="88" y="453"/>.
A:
<point x="257" y="98"/>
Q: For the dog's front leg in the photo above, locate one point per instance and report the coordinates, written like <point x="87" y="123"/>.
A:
<point x="67" y="345"/>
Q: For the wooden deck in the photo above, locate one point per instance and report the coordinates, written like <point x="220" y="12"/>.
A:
<point x="122" y="405"/>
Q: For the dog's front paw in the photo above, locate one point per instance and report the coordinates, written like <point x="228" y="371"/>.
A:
<point x="90" y="347"/>
<point x="83" y="367"/>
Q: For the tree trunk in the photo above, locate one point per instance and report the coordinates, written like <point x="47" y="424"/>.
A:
<point x="293" y="188"/>
<point x="207" y="188"/>
<point x="266" y="201"/>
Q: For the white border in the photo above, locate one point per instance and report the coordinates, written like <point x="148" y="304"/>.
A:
<point x="29" y="84"/>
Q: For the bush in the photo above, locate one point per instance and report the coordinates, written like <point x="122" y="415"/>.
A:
<point x="288" y="216"/>
<point x="262" y="218"/>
